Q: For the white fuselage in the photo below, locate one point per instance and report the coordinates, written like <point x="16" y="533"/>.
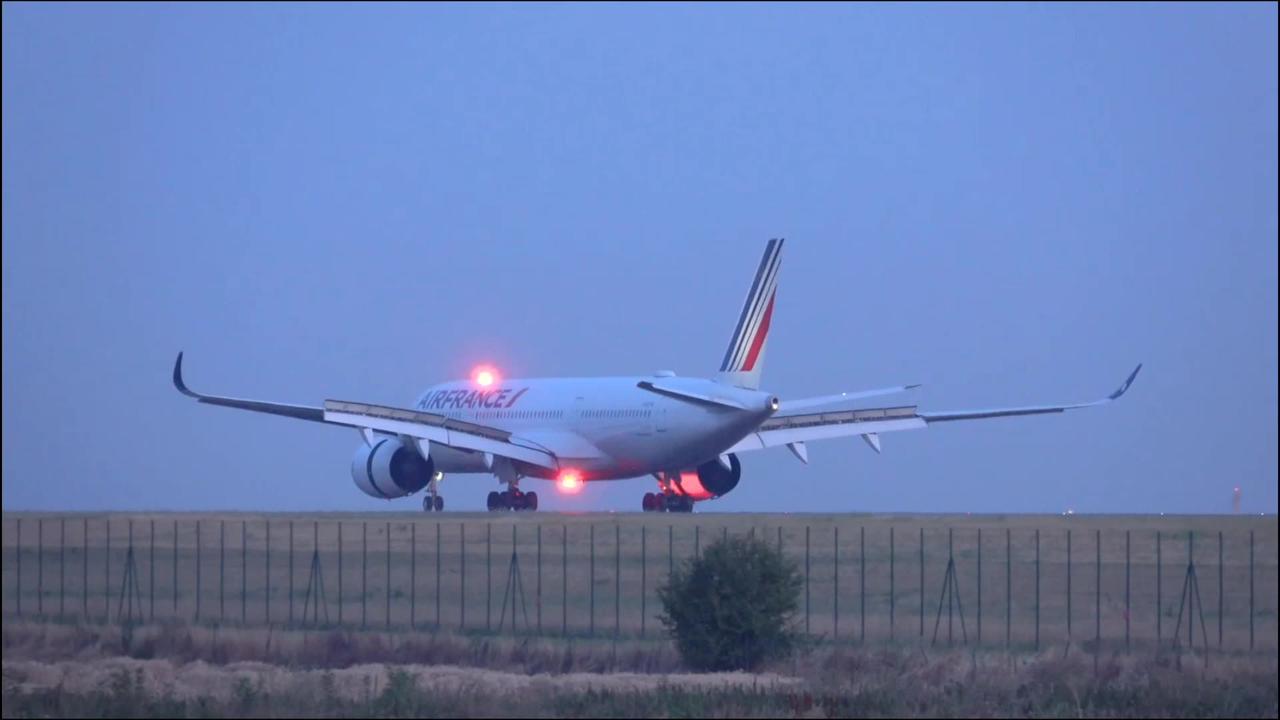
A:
<point x="610" y="427"/>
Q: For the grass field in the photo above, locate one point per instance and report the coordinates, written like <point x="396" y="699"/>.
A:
<point x="612" y="588"/>
<point x="177" y="670"/>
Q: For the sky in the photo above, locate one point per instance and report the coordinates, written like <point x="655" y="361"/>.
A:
<point x="1008" y="204"/>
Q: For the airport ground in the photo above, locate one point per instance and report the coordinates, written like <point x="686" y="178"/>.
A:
<point x="69" y="654"/>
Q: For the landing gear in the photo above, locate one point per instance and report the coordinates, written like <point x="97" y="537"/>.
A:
<point x="511" y="500"/>
<point x="666" y="502"/>
<point x="432" y="500"/>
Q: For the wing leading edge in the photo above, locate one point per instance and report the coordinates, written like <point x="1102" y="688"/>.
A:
<point x="397" y="421"/>
<point x="799" y="428"/>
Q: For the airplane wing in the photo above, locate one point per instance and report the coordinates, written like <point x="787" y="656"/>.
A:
<point x="795" y="429"/>
<point x="396" y="421"/>
<point x="788" y="405"/>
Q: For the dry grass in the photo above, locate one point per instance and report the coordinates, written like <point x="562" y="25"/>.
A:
<point x="52" y="670"/>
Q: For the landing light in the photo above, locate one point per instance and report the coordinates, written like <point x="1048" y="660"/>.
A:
<point x="570" y="481"/>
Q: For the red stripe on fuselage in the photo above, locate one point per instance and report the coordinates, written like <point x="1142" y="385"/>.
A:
<point x="758" y="343"/>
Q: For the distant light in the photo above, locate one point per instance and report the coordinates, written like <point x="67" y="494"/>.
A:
<point x="570" y="481"/>
<point x="484" y="376"/>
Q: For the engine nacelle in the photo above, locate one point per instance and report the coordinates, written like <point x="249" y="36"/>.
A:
<point x="390" y="469"/>
<point x="710" y="479"/>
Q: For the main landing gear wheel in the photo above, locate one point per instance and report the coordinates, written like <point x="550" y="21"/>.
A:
<point x="677" y="503"/>
<point x="432" y="502"/>
<point x="511" y="500"/>
<point x="661" y="502"/>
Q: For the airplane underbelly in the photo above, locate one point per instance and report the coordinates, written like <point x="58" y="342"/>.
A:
<point x="452" y="460"/>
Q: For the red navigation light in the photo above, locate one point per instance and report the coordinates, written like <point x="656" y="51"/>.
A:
<point x="570" y="481"/>
<point x="484" y="376"/>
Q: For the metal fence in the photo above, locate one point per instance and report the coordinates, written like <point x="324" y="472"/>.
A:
<point x="1105" y="588"/>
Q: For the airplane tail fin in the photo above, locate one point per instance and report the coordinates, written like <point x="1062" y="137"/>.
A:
<point x="744" y="357"/>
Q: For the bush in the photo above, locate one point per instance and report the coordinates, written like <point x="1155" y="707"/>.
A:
<point x="734" y="607"/>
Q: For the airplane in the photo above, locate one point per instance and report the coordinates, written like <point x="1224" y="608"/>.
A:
<point x="686" y="432"/>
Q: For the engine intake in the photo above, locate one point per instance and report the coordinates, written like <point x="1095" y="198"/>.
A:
<point x="390" y="469"/>
<point x="710" y="479"/>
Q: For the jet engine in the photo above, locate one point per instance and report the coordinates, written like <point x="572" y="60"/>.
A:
<point x="711" y="479"/>
<point x="390" y="469"/>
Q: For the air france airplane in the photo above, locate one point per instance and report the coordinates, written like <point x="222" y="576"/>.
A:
<point x="686" y="432"/>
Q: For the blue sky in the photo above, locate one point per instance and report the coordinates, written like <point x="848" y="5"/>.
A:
<point x="1009" y="204"/>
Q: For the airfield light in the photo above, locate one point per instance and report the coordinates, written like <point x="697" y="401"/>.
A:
<point x="570" y="481"/>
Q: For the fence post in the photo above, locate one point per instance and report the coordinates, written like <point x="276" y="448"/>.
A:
<point x="244" y="573"/>
<point x="290" y="568"/>
<point x="1250" y="590"/>
<point x="1008" y="588"/>
<point x="922" y="582"/>
<point x="488" y="573"/>
<point x="1068" y="586"/>
<point x="198" y="571"/>
<point x="617" y="580"/>
<point x="1191" y="563"/>
<point x="1126" y="592"/>
<point x="106" y="573"/>
<point x="1221" y="601"/>
<point x="539" y="575"/>
<point x="267" y="564"/>
<point x="413" y="575"/>
<point x="862" y="583"/>
<point x="1037" y="588"/>
<point x="222" y="571"/>
<point x="462" y="582"/>
<point x="40" y="569"/>
<point x="806" y="579"/>
<point x="339" y="573"/>
<point x="643" y="578"/>
<point x="565" y="580"/>
<point x="1097" y="598"/>
<point x="62" y="565"/>
<point x="835" y="582"/>
<point x="891" y="583"/>
<point x="18" y="596"/>
<point x="438" y="532"/>
<point x="979" y="586"/>
<point x="592" y="577"/>
<point x="84" y="569"/>
<point x="1159" y="607"/>
<point x="697" y="548"/>
<point x="387" y="617"/>
<point x="364" y="574"/>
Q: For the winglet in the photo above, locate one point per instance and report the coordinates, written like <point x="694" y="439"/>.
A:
<point x="177" y="379"/>
<point x="1125" y="387"/>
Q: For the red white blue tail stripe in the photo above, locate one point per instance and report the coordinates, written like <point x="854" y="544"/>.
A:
<point x="747" y="344"/>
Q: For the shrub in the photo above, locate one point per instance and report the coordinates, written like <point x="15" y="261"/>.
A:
<point x="734" y="607"/>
